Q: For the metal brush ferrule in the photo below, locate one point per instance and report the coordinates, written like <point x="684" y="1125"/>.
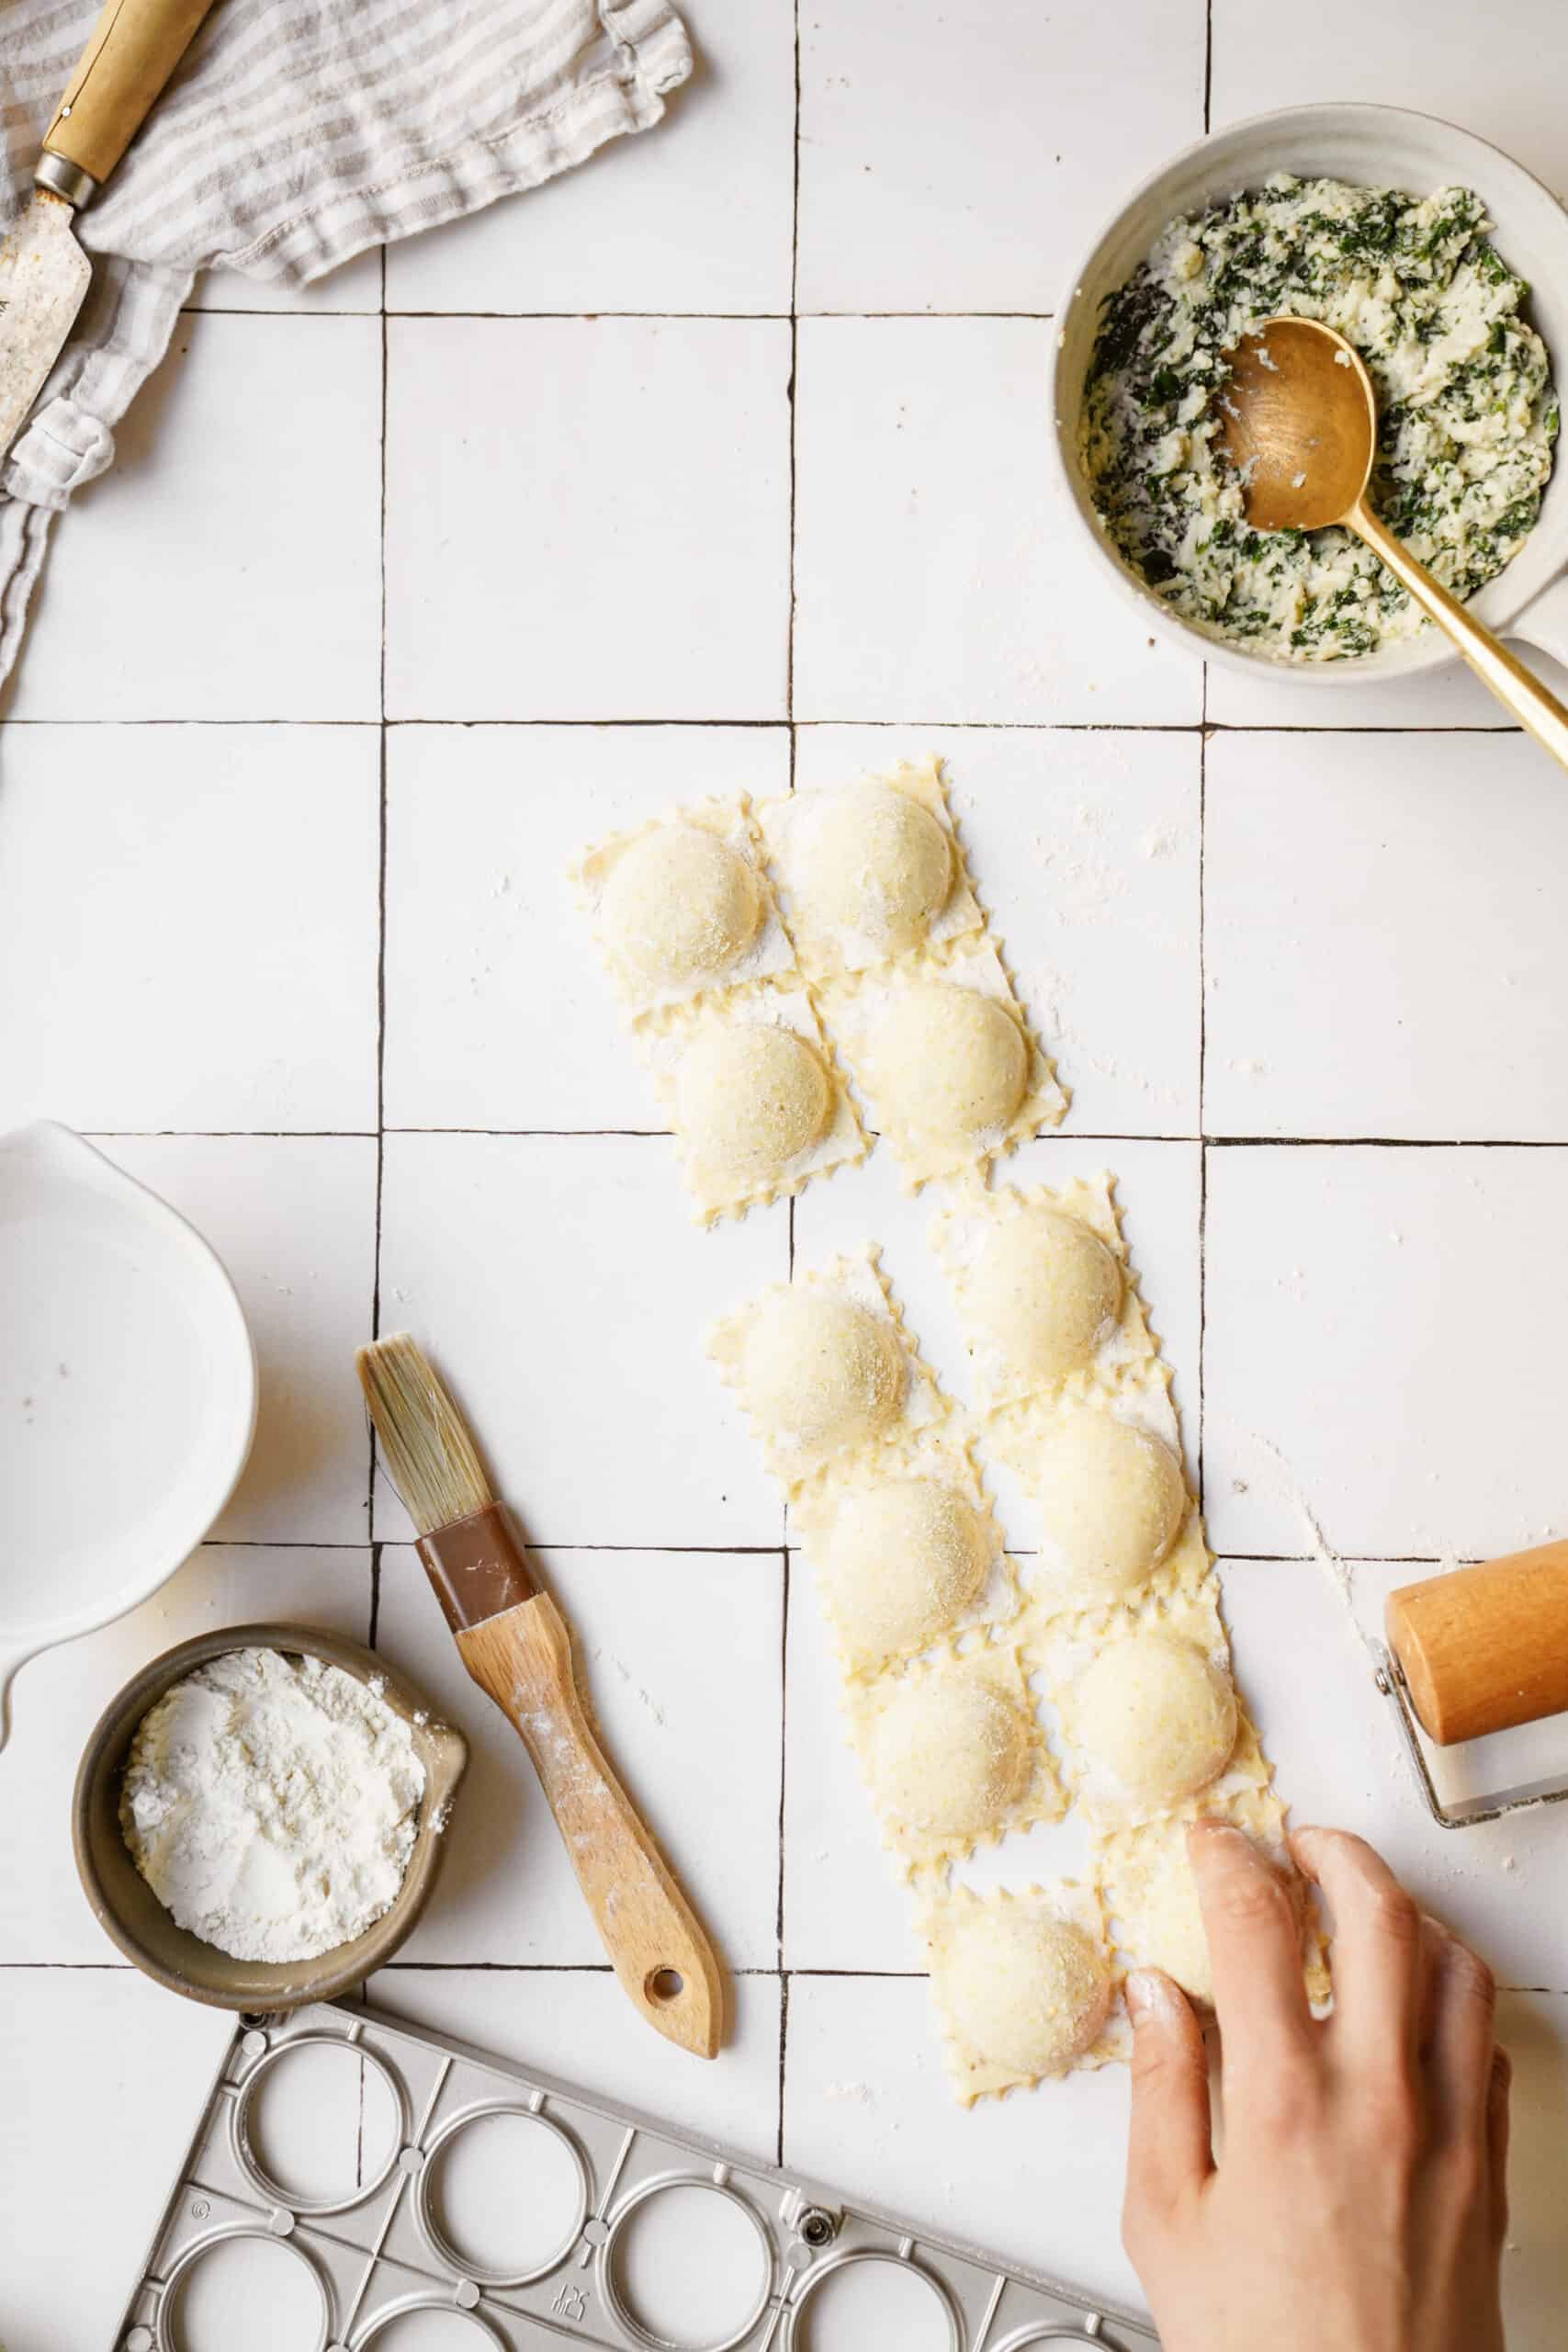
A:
<point x="63" y="178"/>
<point x="478" y="1566"/>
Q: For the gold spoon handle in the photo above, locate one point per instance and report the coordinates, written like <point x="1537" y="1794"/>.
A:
<point x="1507" y="675"/>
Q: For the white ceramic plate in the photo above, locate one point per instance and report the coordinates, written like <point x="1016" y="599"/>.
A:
<point x="1375" y="147"/>
<point x="127" y="1392"/>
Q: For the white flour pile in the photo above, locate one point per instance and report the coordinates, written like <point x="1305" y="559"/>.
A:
<point x="271" y="1804"/>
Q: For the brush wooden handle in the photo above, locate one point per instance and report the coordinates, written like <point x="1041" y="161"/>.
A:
<point x="523" y="1659"/>
<point x="1486" y="1648"/>
<point x="130" y="54"/>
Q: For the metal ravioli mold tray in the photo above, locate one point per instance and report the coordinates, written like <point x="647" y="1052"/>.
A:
<point x="478" y="2204"/>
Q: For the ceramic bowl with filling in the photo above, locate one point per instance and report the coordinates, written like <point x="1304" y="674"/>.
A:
<point x="131" y="1914"/>
<point x="1370" y="147"/>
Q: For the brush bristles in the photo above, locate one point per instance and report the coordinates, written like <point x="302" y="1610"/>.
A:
<point x="430" y="1455"/>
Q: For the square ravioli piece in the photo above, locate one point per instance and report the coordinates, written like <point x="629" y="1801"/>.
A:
<point x="1150" y="1894"/>
<point x="1044" y="1288"/>
<point x="824" y="1367"/>
<point x="905" y="1550"/>
<point x="756" y="1099"/>
<point x="1148" y="1709"/>
<point x="869" y="872"/>
<point x="952" y="1754"/>
<point x="1023" y="1985"/>
<point x="683" y="905"/>
<point x="1104" y="1478"/>
<point x="946" y="1059"/>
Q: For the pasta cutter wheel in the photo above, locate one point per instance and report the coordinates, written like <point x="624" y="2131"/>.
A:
<point x="1482" y="1650"/>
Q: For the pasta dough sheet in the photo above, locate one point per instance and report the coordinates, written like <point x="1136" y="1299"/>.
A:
<point x="1015" y="2008"/>
<point x="674" y="921"/>
<point x="1044" y="1289"/>
<point x="952" y="1070"/>
<point x="1151" y="1894"/>
<point x="824" y="1367"/>
<point x="905" y="1550"/>
<point x="1187" y="1615"/>
<point x="755" y="1117"/>
<point x="952" y="1754"/>
<point x="857" y="892"/>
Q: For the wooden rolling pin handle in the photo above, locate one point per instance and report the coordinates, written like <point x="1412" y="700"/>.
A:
<point x="1486" y="1648"/>
<point x="523" y="1657"/>
<point x="130" y="54"/>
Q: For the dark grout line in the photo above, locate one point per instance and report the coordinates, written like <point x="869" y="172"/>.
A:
<point x="1360" y="1560"/>
<point x="783" y="2064"/>
<point x="282" y="1543"/>
<point x="735" y="726"/>
<point x="789" y="708"/>
<point x="592" y="318"/>
<point x="673" y="1551"/>
<point x="1202" y="1078"/>
<point x="662" y="1135"/>
<point x="230" y="1135"/>
<point x="1383" y="1143"/>
<point x="380" y="1002"/>
<point x="572" y="1968"/>
<point x="1208" y="65"/>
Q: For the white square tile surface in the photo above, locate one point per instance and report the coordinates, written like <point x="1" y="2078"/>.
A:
<point x="183" y="590"/>
<point x="1085" y="846"/>
<point x="843" y="1904"/>
<point x="293" y="1218"/>
<point x="1343" y="1761"/>
<point x="211" y="962"/>
<point x="499" y="1012"/>
<point x="578" y="2024"/>
<point x="1160" y="1192"/>
<point x="1360" y="983"/>
<point x="1346" y="51"/>
<point x="111" y="2047"/>
<point x="698" y="1748"/>
<point x="867" y="2104"/>
<point x="720" y="465"/>
<point x="936" y="577"/>
<point x="598" y="1413"/>
<point x="627" y="233"/>
<point x="897" y="213"/>
<point x="1382" y="1349"/>
<point x="643" y="571"/>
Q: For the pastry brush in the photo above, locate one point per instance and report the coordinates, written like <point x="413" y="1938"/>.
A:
<point x="518" y="1647"/>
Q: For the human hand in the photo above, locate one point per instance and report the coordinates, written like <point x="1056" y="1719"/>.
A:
<point x="1358" y="2202"/>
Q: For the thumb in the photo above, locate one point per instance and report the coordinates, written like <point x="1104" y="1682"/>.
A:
<point x="1170" y="2152"/>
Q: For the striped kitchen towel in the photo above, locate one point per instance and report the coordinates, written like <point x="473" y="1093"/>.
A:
<point x="295" y="134"/>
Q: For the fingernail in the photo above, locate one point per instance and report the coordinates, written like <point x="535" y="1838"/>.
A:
<point x="1148" y="1995"/>
<point x="1208" y="1828"/>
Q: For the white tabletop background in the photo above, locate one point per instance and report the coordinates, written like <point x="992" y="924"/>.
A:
<point x="721" y="461"/>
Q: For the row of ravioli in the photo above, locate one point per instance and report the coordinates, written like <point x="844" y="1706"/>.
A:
<point x="760" y="952"/>
<point x="956" y="1655"/>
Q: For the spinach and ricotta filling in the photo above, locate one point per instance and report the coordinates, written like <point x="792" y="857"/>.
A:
<point x="1468" y="415"/>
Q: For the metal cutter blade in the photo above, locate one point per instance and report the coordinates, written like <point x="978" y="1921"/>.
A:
<point x="43" y="277"/>
<point x="1467" y="1811"/>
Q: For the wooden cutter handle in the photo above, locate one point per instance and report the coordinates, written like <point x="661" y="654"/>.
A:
<point x="130" y="54"/>
<point x="1486" y="1648"/>
<point x="523" y="1659"/>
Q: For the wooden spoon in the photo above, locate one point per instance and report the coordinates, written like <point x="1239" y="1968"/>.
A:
<point x="1300" y="417"/>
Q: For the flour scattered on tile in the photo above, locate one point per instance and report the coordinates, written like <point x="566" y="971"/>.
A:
<point x="644" y="1698"/>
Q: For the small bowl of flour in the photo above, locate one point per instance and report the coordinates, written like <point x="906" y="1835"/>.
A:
<point x="259" y="1815"/>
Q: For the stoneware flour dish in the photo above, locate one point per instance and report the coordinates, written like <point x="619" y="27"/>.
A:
<point x="133" y="1915"/>
<point x="1370" y="147"/>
